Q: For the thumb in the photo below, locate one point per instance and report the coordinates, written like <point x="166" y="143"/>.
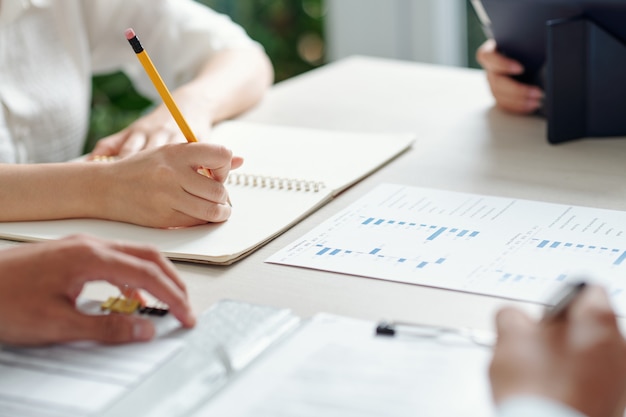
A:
<point x="110" y="146"/>
<point x="511" y="322"/>
<point x="236" y="162"/>
<point x="114" y="329"/>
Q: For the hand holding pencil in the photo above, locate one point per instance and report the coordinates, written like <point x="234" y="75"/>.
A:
<point x="160" y="186"/>
<point x="163" y="91"/>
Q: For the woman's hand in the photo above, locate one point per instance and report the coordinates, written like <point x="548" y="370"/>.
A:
<point x="39" y="284"/>
<point x="161" y="187"/>
<point x="159" y="127"/>
<point x="510" y="95"/>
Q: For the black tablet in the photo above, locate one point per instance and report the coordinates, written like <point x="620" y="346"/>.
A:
<point x="575" y="50"/>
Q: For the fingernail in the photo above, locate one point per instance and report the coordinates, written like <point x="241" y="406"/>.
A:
<point x="143" y="330"/>
<point x="516" y="68"/>
<point x="532" y="105"/>
<point x="535" y="93"/>
<point x="191" y="319"/>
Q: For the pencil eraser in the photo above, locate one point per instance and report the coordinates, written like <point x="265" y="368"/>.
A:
<point x="130" y="33"/>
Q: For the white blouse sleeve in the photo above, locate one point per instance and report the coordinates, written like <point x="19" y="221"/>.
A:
<point x="534" y="406"/>
<point x="179" y="35"/>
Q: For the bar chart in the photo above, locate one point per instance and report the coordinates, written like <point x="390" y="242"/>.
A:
<point x="503" y="247"/>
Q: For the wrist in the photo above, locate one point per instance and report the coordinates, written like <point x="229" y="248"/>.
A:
<point x="96" y="190"/>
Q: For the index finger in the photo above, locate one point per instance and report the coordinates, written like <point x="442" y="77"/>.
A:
<point x="120" y="268"/>
<point x="153" y="255"/>
<point x="593" y="306"/>
<point x="216" y="158"/>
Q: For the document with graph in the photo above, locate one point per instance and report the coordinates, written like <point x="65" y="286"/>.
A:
<point x="504" y="247"/>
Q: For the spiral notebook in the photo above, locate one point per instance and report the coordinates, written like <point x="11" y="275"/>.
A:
<point x="288" y="173"/>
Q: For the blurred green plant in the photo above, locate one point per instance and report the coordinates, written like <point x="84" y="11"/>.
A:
<point x="291" y="31"/>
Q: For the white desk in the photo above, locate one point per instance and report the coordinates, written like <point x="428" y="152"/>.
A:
<point x="464" y="144"/>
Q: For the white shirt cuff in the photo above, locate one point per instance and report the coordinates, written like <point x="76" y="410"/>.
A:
<point x="535" y="406"/>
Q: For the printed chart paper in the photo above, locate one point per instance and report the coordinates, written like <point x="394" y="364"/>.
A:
<point x="504" y="247"/>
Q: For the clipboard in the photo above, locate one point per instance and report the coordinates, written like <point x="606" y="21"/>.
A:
<point x="340" y="367"/>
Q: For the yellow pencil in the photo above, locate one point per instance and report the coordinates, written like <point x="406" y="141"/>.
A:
<point x="161" y="88"/>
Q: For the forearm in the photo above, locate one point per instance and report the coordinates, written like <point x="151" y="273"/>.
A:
<point x="50" y="191"/>
<point x="231" y="82"/>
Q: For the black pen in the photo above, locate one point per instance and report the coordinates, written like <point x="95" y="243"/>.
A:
<point x="562" y="301"/>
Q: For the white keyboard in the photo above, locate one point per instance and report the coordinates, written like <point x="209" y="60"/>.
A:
<point x="227" y="337"/>
<point x="241" y="330"/>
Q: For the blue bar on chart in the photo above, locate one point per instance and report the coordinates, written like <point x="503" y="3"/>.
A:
<point x="462" y="233"/>
<point x="440" y="260"/>
<point x="505" y="277"/>
<point x="556" y="244"/>
<point x="323" y="251"/>
<point x="437" y="233"/>
<point x="474" y="234"/>
<point x="402" y="260"/>
<point x="620" y="259"/>
<point x="422" y="264"/>
<point x="335" y="252"/>
<point x="378" y="222"/>
<point x="375" y="251"/>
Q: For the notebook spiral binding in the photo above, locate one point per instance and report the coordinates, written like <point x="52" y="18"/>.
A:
<point x="279" y="183"/>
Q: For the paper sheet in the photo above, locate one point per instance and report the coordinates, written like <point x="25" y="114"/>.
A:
<point x="78" y="379"/>
<point x="504" y="247"/>
<point x="336" y="367"/>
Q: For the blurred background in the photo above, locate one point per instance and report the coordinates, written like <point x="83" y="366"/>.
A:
<point x="299" y="35"/>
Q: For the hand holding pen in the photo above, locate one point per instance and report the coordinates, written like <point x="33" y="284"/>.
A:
<point x="575" y="355"/>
